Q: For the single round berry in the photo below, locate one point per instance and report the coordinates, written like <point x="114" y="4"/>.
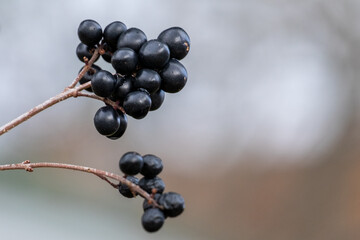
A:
<point x="177" y="40"/>
<point x="154" y="54"/>
<point x="131" y="163"/>
<point x="148" y="79"/>
<point x="137" y="104"/>
<point x="89" y="32"/>
<point x="82" y="51"/>
<point x="157" y="99"/>
<point x="125" y="190"/>
<point x="106" y="120"/>
<point x="132" y="38"/>
<point x="148" y="184"/>
<point x="103" y="83"/>
<point x="113" y="31"/>
<point x="122" y="128"/>
<point x="173" y="203"/>
<point x="124" y="61"/>
<point x="147" y="205"/>
<point x="108" y="53"/>
<point x="173" y="76"/>
<point x="89" y="75"/>
<point x="152" y="219"/>
<point x="123" y="87"/>
<point x="152" y="166"/>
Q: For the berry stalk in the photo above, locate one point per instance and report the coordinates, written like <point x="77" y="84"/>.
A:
<point x="26" y="165"/>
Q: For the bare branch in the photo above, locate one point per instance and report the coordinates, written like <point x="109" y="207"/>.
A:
<point x="26" y="165"/>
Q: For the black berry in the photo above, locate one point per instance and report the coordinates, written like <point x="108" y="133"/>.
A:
<point x="106" y="120"/>
<point x="177" y="40"/>
<point x="173" y="76"/>
<point x="152" y="219"/>
<point x="122" y="128"/>
<point x="137" y="104"/>
<point x="148" y="79"/>
<point x="123" y="87"/>
<point x="125" y="190"/>
<point x="124" y="61"/>
<point x="148" y="184"/>
<point x="113" y="31"/>
<point x="103" y="83"/>
<point x="131" y="163"/>
<point x="173" y="204"/>
<point x="152" y="166"/>
<point x="89" y="32"/>
<point x="147" y="205"/>
<point x="157" y="99"/>
<point x="88" y="75"/>
<point x="108" y="53"/>
<point x="132" y="38"/>
<point x="82" y="51"/>
<point x="154" y="54"/>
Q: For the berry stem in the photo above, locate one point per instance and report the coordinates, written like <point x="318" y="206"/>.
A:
<point x="105" y="100"/>
<point x="100" y="173"/>
<point x="85" y="69"/>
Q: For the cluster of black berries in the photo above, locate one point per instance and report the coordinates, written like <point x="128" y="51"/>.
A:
<point x="145" y="70"/>
<point x="150" y="166"/>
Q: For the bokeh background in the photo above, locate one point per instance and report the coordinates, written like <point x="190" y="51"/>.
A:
<point x="263" y="141"/>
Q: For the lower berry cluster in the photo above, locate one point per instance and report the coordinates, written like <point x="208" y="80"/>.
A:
<point x="145" y="70"/>
<point x="172" y="204"/>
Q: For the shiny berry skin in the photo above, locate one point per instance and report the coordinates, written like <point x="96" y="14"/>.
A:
<point x="152" y="219"/>
<point x="123" y="87"/>
<point x="173" y="203"/>
<point x="124" y="61"/>
<point x="103" y="83"/>
<point x="157" y="98"/>
<point x="137" y="104"/>
<point x="90" y="32"/>
<point x="148" y="79"/>
<point x="154" y="54"/>
<point x="152" y="166"/>
<point x="88" y="75"/>
<point x="177" y="40"/>
<point x="106" y="120"/>
<point x="113" y="31"/>
<point x="122" y="128"/>
<point x="147" y="205"/>
<point x="108" y="53"/>
<point x="131" y="163"/>
<point x="148" y="184"/>
<point x="82" y="51"/>
<point x="132" y="38"/>
<point x="125" y="190"/>
<point x="173" y="76"/>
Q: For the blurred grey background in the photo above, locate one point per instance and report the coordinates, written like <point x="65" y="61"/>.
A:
<point x="262" y="142"/>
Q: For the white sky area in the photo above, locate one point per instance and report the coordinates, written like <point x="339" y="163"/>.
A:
<point x="253" y="86"/>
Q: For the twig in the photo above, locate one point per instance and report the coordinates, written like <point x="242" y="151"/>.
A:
<point x="100" y="173"/>
<point x="105" y="100"/>
<point x="85" y="68"/>
<point x="70" y="91"/>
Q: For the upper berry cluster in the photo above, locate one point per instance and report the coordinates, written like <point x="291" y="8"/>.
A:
<point x="145" y="70"/>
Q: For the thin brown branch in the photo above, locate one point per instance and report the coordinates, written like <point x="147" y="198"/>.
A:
<point x="85" y="68"/>
<point x="105" y="100"/>
<point x="100" y="173"/>
<point x="70" y="91"/>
